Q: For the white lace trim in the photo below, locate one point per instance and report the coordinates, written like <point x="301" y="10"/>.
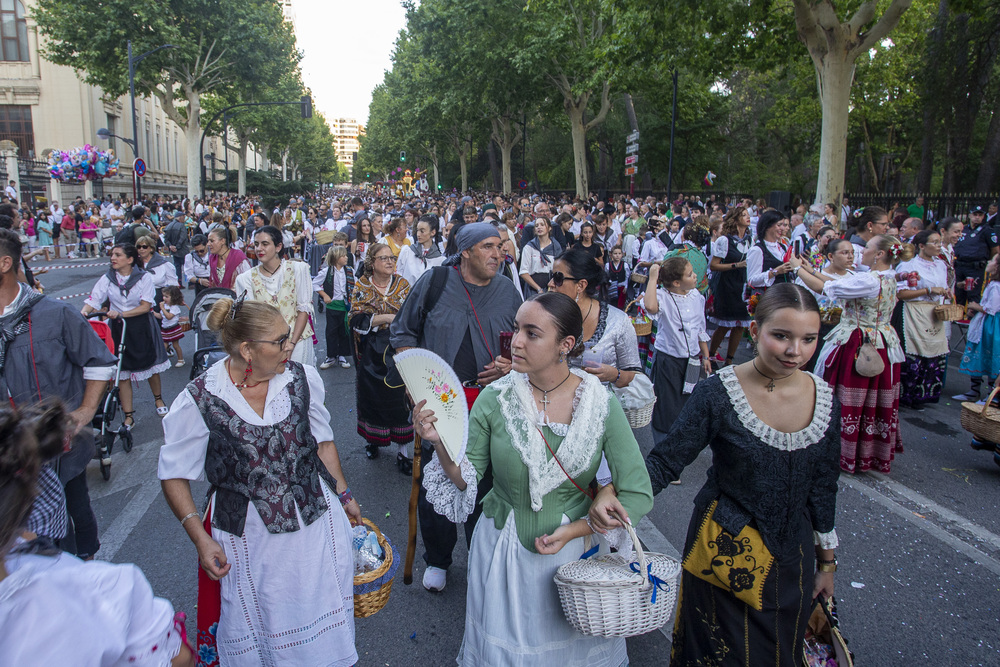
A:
<point x="788" y="442"/>
<point x="826" y="540"/>
<point x="444" y="496"/>
<point x="582" y="440"/>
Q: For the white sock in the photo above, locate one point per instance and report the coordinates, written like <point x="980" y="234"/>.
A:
<point x="404" y="449"/>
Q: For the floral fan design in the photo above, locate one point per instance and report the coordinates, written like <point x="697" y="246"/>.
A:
<point x="429" y="377"/>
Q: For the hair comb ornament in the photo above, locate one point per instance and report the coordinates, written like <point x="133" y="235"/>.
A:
<point x="237" y="306"/>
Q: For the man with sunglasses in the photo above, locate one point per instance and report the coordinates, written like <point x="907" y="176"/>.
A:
<point x="473" y="306"/>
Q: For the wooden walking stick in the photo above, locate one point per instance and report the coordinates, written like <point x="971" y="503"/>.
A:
<point x="411" y="542"/>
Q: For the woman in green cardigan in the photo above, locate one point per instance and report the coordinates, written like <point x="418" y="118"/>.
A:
<point x="534" y="519"/>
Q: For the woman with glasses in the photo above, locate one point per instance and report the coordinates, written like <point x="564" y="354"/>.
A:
<point x="278" y="521"/>
<point x="922" y="334"/>
<point x="379" y="293"/>
<point x="163" y="271"/>
<point x="196" y="271"/>
<point x="284" y="284"/>
<point x="869" y="222"/>
<point x="129" y="292"/>
<point x="396" y="236"/>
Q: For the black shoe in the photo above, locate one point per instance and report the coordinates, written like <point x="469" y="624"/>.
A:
<point x="371" y="451"/>
<point x="404" y="464"/>
<point x="980" y="445"/>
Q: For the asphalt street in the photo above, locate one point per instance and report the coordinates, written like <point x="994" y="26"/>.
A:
<point x="919" y="568"/>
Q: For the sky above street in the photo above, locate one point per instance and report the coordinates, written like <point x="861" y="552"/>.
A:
<point x="347" y="46"/>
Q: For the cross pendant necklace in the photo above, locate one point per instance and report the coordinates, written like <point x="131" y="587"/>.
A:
<point x="770" y="385"/>
<point x="544" y="417"/>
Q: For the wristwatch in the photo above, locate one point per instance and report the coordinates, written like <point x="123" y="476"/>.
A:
<point x="826" y="565"/>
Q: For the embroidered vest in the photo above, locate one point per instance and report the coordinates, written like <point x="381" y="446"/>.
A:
<point x="284" y="300"/>
<point x="276" y="467"/>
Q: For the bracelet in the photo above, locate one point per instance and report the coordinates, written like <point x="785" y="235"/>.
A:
<point x="590" y="525"/>
<point x="192" y="514"/>
<point x="346" y="497"/>
<point x="619" y="376"/>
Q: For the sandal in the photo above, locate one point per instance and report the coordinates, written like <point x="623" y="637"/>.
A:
<point x="161" y="410"/>
<point x="371" y="451"/>
<point x="404" y="464"/>
<point x="128" y="418"/>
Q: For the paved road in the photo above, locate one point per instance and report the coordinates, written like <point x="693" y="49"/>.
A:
<point x="919" y="555"/>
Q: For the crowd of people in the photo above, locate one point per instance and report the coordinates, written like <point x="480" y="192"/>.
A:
<point x="537" y="303"/>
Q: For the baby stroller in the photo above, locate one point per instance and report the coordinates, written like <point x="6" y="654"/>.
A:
<point x="108" y="409"/>
<point x="206" y="342"/>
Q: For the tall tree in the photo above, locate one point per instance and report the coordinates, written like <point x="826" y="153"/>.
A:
<point x="218" y="43"/>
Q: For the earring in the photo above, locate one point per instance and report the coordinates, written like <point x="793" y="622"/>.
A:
<point x="562" y="357"/>
<point x="577" y="299"/>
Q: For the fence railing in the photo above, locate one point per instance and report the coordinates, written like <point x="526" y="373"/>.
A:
<point x="936" y="205"/>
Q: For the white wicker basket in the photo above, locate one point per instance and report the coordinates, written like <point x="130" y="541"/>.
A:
<point x="640" y="417"/>
<point x="604" y="597"/>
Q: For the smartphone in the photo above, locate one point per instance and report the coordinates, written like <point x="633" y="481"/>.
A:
<point x="797" y="247"/>
<point x="505" y="339"/>
<point x="591" y="357"/>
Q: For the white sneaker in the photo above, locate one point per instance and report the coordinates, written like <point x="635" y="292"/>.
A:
<point x="344" y="363"/>
<point x="967" y="396"/>
<point x="435" y="579"/>
<point x="327" y="363"/>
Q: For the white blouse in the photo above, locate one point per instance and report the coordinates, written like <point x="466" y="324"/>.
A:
<point x="143" y="290"/>
<point x="756" y="275"/>
<point x="182" y="455"/>
<point x="531" y="262"/>
<point x="932" y="273"/>
<point x="411" y="267"/>
<point x="303" y="284"/>
<point x="720" y="247"/>
<point x="858" y="286"/>
<point x="653" y="250"/>
<point x="164" y="275"/>
<point x="339" y="282"/>
<point x="680" y="323"/>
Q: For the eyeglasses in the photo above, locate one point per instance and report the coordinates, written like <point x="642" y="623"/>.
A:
<point x="558" y="278"/>
<point x="281" y="342"/>
<point x="386" y="258"/>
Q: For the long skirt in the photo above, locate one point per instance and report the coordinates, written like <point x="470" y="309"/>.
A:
<point x="383" y="416"/>
<point x="513" y="616"/>
<point x="288" y="599"/>
<point x="668" y="384"/>
<point x="713" y="627"/>
<point x="144" y="354"/>
<point x="921" y="379"/>
<point x="983" y="358"/>
<point x="869" y="417"/>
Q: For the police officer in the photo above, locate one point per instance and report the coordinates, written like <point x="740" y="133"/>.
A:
<point x="972" y="251"/>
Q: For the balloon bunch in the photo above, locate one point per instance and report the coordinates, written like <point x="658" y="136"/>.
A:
<point x="86" y="163"/>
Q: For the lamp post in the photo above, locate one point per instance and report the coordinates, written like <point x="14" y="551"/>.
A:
<point x="132" y="62"/>
<point x="106" y="134"/>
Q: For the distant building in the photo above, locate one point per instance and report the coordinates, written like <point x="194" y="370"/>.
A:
<point x="345" y="140"/>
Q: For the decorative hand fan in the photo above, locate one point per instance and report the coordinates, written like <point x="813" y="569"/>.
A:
<point x="429" y="377"/>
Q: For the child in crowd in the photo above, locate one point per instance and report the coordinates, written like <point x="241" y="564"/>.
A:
<point x="618" y="272"/>
<point x="170" y="320"/>
<point x="681" y="340"/>
<point x="982" y="351"/>
<point x="334" y="284"/>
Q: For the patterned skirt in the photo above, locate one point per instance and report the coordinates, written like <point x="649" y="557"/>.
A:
<point x="869" y="422"/>
<point x="921" y="379"/>
<point x="172" y="334"/>
<point x="713" y="627"/>
<point x="983" y="358"/>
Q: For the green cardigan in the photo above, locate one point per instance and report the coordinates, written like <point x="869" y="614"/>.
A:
<point x="490" y="442"/>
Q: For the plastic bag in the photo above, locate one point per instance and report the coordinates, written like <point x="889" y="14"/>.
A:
<point x="368" y="553"/>
<point x="638" y="394"/>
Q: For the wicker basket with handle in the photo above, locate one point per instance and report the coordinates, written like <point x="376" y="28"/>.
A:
<point x="949" y="312"/>
<point x="643" y="325"/>
<point x="371" y="589"/>
<point x="606" y="596"/>
<point x="982" y="421"/>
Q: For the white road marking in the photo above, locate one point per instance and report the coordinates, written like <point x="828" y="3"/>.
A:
<point x="655" y="541"/>
<point x="127" y="469"/>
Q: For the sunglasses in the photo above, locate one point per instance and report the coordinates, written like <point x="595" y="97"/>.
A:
<point x="281" y="342"/>
<point x="558" y="278"/>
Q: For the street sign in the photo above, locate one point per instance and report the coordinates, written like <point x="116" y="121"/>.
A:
<point x="632" y="148"/>
<point x="631" y="171"/>
<point x="631" y="159"/>
<point x="139" y="167"/>
<point x="632" y="138"/>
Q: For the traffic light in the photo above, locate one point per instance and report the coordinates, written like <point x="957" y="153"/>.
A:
<point x="307" y="106"/>
<point x="402" y="156"/>
<point x="439" y="186"/>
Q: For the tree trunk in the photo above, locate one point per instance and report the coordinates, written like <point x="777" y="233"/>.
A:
<point x="192" y="136"/>
<point x="991" y="153"/>
<point x="834" y="78"/>
<point x="241" y="161"/>
<point x="284" y="165"/>
<point x="578" y="132"/>
<point x="935" y="50"/>
<point x="506" y="135"/>
<point x="491" y="155"/>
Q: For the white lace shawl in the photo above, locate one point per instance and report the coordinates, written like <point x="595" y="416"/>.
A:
<point x="583" y="439"/>
<point x="581" y="442"/>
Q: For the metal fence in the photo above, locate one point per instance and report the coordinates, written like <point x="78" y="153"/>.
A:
<point x="34" y="177"/>
<point x="936" y="204"/>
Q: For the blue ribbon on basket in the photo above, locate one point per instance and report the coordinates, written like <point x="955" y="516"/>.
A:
<point x="658" y="584"/>
<point x="590" y="552"/>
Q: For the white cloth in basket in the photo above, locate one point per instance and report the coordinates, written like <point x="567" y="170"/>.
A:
<point x="513" y="616"/>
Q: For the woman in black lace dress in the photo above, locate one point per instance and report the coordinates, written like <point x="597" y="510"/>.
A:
<point x="759" y="547"/>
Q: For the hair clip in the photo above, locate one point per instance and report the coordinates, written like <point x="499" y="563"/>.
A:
<point x="235" y="310"/>
<point x="858" y="212"/>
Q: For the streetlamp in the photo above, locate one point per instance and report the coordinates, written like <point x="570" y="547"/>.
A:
<point x="106" y="134"/>
<point x="132" y="62"/>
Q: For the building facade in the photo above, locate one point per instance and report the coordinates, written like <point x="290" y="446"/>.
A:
<point x="345" y="140"/>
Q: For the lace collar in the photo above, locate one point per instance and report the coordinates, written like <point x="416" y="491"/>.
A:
<point x="788" y="442"/>
<point x="577" y="450"/>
